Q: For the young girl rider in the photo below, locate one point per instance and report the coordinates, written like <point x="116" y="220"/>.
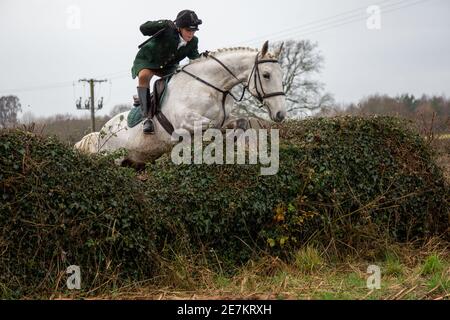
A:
<point x="171" y="43"/>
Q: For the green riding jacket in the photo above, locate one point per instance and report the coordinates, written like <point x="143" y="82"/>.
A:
<point x="161" y="52"/>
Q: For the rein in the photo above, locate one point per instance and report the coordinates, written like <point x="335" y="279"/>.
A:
<point x="225" y="93"/>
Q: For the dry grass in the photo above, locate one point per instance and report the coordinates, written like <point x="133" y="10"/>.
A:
<point x="270" y="278"/>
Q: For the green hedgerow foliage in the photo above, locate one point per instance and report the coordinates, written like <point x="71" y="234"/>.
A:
<point x="348" y="178"/>
<point x="336" y="177"/>
<point x="59" y="208"/>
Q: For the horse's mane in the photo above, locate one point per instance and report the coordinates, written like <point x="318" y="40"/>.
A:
<point x="223" y="50"/>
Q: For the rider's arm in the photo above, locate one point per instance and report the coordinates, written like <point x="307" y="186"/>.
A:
<point x="151" y="27"/>
<point x="194" y="52"/>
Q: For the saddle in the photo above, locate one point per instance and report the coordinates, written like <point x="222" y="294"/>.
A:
<point x="135" y="116"/>
<point x="159" y="88"/>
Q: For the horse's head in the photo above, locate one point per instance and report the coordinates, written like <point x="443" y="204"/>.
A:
<point x="266" y="83"/>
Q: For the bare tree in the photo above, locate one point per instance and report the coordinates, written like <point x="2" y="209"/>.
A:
<point x="28" y="117"/>
<point x="9" y="108"/>
<point x="300" y="61"/>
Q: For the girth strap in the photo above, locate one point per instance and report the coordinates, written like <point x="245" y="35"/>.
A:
<point x="165" y="123"/>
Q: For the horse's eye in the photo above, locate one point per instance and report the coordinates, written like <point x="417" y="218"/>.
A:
<point x="266" y="76"/>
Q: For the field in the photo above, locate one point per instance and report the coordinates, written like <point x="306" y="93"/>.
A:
<point x="339" y="204"/>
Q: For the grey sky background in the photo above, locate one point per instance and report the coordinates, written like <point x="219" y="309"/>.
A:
<point x="41" y="57"/>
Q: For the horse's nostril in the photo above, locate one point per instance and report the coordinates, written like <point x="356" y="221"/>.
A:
<point x="280" y="116"/>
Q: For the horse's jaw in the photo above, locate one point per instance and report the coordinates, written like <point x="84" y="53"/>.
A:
<point x="276" y="108"/>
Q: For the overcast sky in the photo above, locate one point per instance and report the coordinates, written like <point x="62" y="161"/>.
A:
<point x="47" y="45"/>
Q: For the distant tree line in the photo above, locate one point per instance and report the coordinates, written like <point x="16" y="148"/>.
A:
<point x="67" y="127"/>
<point x="431" y="111"/>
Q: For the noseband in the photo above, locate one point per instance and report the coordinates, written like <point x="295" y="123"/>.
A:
<point x="225" y="93"/>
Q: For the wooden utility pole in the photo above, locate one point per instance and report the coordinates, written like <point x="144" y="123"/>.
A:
<point x="92" y="100"/>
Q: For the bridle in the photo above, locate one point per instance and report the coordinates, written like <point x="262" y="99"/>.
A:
<point x="257" y="76"/>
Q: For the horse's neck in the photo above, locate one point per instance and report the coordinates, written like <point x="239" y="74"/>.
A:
<point x="239" y="62"/>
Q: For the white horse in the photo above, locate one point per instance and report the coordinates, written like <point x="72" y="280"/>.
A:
<point x="198" y="94"/>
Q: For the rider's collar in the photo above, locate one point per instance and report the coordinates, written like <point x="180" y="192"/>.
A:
<point x="182" y="42"/>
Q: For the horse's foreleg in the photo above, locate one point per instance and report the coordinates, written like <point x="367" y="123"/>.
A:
<point x="127" y="162"/>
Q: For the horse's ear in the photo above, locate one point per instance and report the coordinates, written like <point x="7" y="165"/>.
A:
<point x="279" y="50"/>
<point x="265" y="48"/>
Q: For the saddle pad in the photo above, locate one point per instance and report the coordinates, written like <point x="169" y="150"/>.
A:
<point x="134" y="117"/>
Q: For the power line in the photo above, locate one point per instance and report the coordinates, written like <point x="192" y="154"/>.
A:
<point x="114" y="74"/>
<point x="350" y="21"/>
<point x="120" y="76"/>
<point x="55" y="85"/>
<point x="312" y="23"/>
<point x="321" y="24"/>
<point x="41" y="87"/>
<point x="301" y="30"/>
<point x="341" y="22"/>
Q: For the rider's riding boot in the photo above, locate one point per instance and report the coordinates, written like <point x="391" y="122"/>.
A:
<point x="144" y="98"/>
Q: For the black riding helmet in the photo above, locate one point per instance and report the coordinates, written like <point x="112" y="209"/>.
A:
<point x="188" y="19"/>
